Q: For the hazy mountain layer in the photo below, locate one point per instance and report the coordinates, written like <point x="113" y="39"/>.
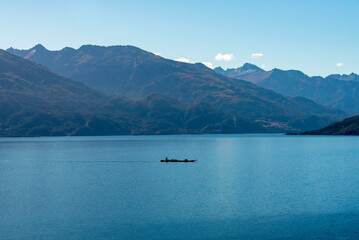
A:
<point x="338" y="91"/>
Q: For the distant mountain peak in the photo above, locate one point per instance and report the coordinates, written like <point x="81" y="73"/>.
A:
<point x="291" y="71"/>
<point x="219" y="70"/>
<point x="245" y="69"/>
<point x="277" y="70"/>
<point x="68" y="49"/>
<point x="38" y="47"/>
<point x="250" y="66"/>
<point x="91" y="46"/>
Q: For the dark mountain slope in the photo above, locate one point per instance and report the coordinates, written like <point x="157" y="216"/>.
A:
<point x="37" y="102"/>
<point x="338" y="91"/>
<point x="348" y="126"/>
<point x="132" y="72"/>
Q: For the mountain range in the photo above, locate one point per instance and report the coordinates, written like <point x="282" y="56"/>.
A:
<point x="337" y="91"/>
<point x="35" y="101"/>
<point x="345" y="77"/>
<point x="128" y="71"/>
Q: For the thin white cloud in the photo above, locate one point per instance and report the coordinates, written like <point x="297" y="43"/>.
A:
<point x="186" y="60"/>
<point x="224" y="57"/>
<point x="208" y="64"/>
<point x="257" y="55"/>
<point x="157" y="54"/>
<point x="340" y="64"/>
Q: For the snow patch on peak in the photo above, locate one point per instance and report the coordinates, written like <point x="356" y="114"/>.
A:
<point x="30" y="54"/>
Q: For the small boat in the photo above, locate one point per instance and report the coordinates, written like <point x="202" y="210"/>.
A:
<point x="177" y="160"/>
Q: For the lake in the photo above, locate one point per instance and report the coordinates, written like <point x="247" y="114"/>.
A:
<point x="242" y="187"/>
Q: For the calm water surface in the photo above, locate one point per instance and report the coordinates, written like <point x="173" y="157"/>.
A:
<point x="242" y="187"/>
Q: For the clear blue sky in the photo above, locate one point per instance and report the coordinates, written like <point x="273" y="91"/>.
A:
<point x="312" y="36"/>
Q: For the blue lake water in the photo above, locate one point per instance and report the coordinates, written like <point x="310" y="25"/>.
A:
<point x="242" y="187"/>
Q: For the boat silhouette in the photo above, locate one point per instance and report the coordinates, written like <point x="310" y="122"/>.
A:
<point x="176" y="160"/>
